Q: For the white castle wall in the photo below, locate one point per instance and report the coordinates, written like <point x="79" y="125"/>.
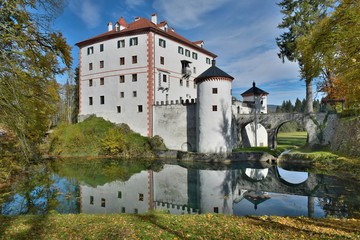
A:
<point x="214" y="127"/>
<point x="112" y="87"/>
<point x="176" y="124"/>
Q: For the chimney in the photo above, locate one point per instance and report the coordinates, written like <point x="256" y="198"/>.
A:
<point x="213" y="63"/>
<point x="110" y="26"/>
<point x="137" y="18"/>
<point x="154" y="18"/>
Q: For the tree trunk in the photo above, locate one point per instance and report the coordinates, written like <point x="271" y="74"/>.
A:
<point x="309" y="96"/>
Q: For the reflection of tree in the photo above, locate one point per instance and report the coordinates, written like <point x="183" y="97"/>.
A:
<point x="95" y="172"/>
<point x="34" y="194"/>
<point x="334" y="207"/>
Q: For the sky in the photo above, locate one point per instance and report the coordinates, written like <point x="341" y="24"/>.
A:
<point x="241" y="32"/>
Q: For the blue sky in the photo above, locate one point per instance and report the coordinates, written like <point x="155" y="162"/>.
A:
<point x="241" y="32"/>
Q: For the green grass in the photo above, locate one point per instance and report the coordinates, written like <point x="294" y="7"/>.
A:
<point x="166" y="226"/>
<point x="285" y="140"/>
<point x="290" y="140"/>
<point x="98" y="137"/>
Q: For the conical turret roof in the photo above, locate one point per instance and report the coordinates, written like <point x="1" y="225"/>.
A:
<point x="254" y="91"/>
<point x="212" y="72"/>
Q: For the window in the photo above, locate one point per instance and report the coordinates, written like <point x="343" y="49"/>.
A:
<point x="208" y="60"/>
<point x="102" y="99"/>
<point x="141" y="197"/>
<point x="103" y="202"/>
<point x="101" y="64"/>
<point x="214" y="108"/>
<point x="194" y="69"/>
<point x="187" y="53"/>
<point x="118" y="109"/>
<point x="121" y="43"/>
<point x="92" y="200"/>
<point x="181" y="82"/>
<point x="134" y="94"/>
<point x="90" y="101"/>
<point x="119" y="194"/>
<point x="162" y="43"/>
<point x="101" y="47"/>
<point x="133" y="41"/>
<point x="90" y="82"/>
<point x="136" y="210"/>
<point x="164" y="78"/>
<point x="140" y="108"/>
<point x="181" y="50"/>
<point x="134" y="59"/>
<point x="194" y="55"/>
<point x="122" y="94"/>
<point x="122" y="78"/>
<point x="122" y="61"/>
<point x="90" y="66"/>
<point x="187" y="83"/>
<point x="216" y="210"/>
<point x="102" y="81"/>
<point x="134" y="77"/>
<point x="162" y="60"/>
<point x="214" y="90"/>
<point x="90" y="50"/>
<point x="122" y="210"/>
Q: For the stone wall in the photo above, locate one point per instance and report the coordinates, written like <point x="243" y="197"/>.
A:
<point x="176" y="124"/>
<point x="347" y="138"/>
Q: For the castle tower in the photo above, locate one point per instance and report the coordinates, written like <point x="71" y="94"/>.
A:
<point x="214" y="111"/>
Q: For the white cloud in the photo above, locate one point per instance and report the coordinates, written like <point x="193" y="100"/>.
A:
<point x="186" y="14"/>
<point x="262" y="67"/>
<point x="88" y="11"/>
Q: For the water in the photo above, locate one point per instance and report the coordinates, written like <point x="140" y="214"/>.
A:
<point x="109" y="186"/>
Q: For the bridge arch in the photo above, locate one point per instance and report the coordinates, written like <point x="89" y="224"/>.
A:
<point x="320" y="127"/>
<point x="274" y="139"/>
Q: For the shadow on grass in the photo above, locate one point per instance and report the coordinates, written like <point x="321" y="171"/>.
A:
<point x="154" y="220"/>
<point x="33" y="226"/>
<point x="270" y="223"/>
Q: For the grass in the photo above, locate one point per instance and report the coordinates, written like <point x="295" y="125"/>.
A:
<point x="285" y="140"/>
<point x="98" y="137"/>
<point x="290" y="140"/>
<point x="165" y="226"/>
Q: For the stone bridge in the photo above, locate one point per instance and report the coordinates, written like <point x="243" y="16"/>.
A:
<point x="320" y="126"/>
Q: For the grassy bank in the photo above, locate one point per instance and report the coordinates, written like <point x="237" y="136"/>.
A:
<point x="98" y="137"/>
<point x="166" y="226"/>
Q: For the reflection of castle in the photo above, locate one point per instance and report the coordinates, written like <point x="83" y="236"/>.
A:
<point x="174" y="189"/>
<point x="146" y="75"/>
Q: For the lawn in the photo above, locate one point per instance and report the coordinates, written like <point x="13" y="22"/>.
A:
<point x="166" y="226"/>
<point x="291" y="139"/>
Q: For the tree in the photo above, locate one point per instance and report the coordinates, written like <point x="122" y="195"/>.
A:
<point x="31" y="56"/>
<point x="297" y="107"/>
<point x="333" y="46"/>
<point x="76" y="96"/>
<point x="299" y="19"/>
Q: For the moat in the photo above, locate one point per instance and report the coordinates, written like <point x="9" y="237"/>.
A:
<point x="240" y="188"/>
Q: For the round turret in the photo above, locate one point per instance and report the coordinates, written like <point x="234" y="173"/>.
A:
<point x="214" y="111"/>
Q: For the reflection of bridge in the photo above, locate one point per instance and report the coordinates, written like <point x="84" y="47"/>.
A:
<point x="320" y="127"/>
<point x="314" y="185"/>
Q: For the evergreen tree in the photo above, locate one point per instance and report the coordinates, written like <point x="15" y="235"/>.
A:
<point x="298" y="105"/>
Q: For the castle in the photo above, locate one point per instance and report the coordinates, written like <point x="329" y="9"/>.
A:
<point x="146" y="75"/>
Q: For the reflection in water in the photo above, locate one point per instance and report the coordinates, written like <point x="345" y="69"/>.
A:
<point x="234" y="189"/>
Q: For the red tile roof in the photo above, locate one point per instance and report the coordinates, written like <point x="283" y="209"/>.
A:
<point x="140" y="26"/>
<point x="122" y="22"/>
